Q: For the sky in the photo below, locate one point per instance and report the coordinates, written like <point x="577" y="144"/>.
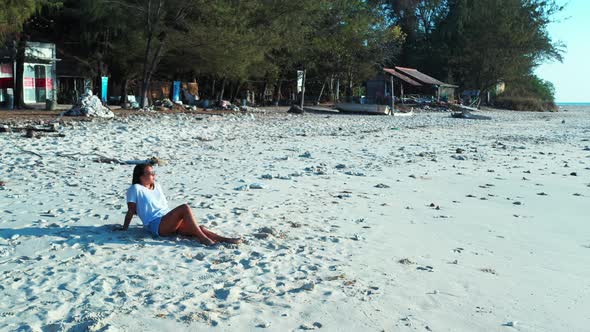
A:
<point x="571" y="77"/>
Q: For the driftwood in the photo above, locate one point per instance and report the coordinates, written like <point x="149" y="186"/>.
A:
<point x="30" y="131"/>
<point x="31" y="152"/>
<point x="108" y="160"/>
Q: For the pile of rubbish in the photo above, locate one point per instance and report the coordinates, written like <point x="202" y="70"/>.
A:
<point x="91" y="106"/>
<point x="167" y="104"/>
<point x="222" y="105"/>
<point x="228" y="106"/>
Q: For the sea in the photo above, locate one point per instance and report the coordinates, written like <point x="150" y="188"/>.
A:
<point x="574" y="104"/>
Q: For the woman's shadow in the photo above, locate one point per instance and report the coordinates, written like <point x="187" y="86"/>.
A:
<point x="98" y="235"/>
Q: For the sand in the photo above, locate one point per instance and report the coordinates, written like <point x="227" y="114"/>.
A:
<point x="351" y="223"/>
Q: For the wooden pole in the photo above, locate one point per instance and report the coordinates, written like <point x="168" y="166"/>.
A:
<point x="402" y="92"/>
<point x="392" y="94"/>
<point x="303" y="90"/>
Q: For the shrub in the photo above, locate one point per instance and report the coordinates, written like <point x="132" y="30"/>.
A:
<point x="525" y="104"/>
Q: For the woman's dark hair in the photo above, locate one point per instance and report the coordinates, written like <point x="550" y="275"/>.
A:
<point x="138" y="172"/>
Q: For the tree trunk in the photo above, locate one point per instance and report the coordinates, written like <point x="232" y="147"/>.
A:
<point x="332" y="88"/>
<point x="222" y="90"/>
<point x="349" y="91"/>
<point x="321" y="92"/>
<point x="124" y="100"/>
<point x="150" y="72"/>
<point x="144" y="80"/>
<point x="263" y="94"/>
<point x="213" y="96"/>
<point x="277" y="94"/>
<point x="19" y="93"/>
<point x="150" y="59"/>
<point x="337" y="90"/>
<point x="237" y="91"/>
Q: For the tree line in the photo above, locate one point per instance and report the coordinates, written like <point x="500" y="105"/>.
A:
<point x="227" y="45"/>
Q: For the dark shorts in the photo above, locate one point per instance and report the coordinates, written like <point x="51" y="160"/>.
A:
<point x="153" y="226"/>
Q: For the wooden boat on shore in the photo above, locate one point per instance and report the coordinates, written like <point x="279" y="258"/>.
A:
<point x="364" y="108"/>
<point x="462" y="108"/>
<point x="410" y="113"/>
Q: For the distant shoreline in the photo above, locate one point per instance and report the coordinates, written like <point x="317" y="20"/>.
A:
<point x="573" y="104"/>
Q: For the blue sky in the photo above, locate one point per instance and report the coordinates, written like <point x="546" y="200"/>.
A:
<point x="571" y="77"/>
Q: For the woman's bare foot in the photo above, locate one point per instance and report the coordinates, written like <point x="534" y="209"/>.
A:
<point x="236" y="240"/>
<point x="207" y="242"/>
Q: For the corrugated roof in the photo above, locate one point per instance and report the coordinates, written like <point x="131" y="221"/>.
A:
<point x="401" y="77"/>
<point x="420" y="77"/>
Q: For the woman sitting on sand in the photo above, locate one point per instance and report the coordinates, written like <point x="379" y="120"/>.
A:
<point x="146" y="199"/>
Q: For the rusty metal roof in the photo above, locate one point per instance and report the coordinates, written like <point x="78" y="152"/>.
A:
<point x="401" y="77"/>
<point x="421" y="77"/>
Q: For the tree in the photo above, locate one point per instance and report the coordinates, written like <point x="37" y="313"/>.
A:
<point x="488" y="41"/>
<point x="13" y="18"/>
<point x="162" y="21"/>
<point x="15" y="13"/>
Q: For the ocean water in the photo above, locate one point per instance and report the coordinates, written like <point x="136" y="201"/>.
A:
<point x="584" y="107"/>
<point x="574" y="104"/>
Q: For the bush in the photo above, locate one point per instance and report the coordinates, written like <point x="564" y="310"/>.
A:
<point x="530" y="104"/>
<point x="528" y="93"/>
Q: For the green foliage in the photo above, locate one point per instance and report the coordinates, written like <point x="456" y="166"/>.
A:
<point x="529" y="93"/>
<point x="488" y="41"/>
<point x="476" y="43"/>
<point x="472" y="43"/>
<point x="530" y="104"/>
<point x="14" y="13"/>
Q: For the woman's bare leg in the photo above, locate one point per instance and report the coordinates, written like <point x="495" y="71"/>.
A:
<point x="219" y="238"/>
<point x="182" y="221"/>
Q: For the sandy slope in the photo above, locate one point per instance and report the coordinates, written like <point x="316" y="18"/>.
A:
<point x="379" y="223"/>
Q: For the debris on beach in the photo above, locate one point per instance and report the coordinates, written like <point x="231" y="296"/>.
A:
<point x="295" y="110"/>
<point x="33" y="131"/>
<point x="488" y="270"/>
<point x="382" y="186"/>
<point x="406" y="261"/>
<point x="469" y="116"/>
<point x="266" y="232"/>
<point x="90" y="106"/>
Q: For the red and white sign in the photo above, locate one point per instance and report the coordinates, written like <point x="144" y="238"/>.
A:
<point x="6" y="70"/>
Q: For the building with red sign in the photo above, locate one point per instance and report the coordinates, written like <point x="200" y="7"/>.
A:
<point x="39" y="75"/>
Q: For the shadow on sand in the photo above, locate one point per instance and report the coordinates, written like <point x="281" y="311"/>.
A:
<point x="99" y="235"/>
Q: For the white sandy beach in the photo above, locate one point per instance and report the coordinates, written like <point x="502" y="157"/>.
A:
<point x="378" y="224"/>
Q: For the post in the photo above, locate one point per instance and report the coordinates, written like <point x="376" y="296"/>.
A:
<point x="338" y="90"/>
<point x="103" y="88"/>
<point x="401" y="94"/>
<point x="303" y="90"/>
<point x="392" y="94"/>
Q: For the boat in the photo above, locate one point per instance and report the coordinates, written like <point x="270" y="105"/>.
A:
<point x="462" y="108"/>
<point x="410" y="113"/>
<point x="363" y="108"/>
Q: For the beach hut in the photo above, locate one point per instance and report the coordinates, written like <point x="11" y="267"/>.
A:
<point x="403" y="80"/>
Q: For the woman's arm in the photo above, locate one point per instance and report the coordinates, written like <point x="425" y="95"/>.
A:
<point x="130" y="212"/>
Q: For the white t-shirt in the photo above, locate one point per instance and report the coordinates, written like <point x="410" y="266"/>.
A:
<point x="150" y="204"/>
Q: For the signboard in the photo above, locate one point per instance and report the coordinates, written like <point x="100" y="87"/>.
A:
<point x="103" y="90"/>
<point x="299" y="81"/>
<point x="176" y="91"/>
